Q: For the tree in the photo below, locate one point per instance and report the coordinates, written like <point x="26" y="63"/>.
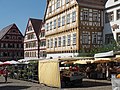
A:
<point x="104" y="48"/>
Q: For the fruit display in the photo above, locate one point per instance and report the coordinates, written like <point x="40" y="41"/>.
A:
<point x="118" y="76"/>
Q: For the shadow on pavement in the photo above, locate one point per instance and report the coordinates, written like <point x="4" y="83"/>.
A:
<point x="13" y="87"/>
<point x="94" y="84"/>
<point x="88" y="84"/>
<point x="5" y="83"/>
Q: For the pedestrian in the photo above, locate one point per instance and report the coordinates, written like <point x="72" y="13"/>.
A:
<point x="104" y="72"/>
<point x="88" y="71"/>
<point x="5" y="74"/>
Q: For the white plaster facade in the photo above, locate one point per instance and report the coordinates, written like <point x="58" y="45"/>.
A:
<point x="112" y="27"/>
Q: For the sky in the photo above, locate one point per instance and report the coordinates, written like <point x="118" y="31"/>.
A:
<point x="19" y="11"/>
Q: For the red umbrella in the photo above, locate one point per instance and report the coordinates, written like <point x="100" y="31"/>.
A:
<point x="5" y="63"/>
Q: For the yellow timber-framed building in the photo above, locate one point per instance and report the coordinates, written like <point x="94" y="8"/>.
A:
<point x="73" y="25"/>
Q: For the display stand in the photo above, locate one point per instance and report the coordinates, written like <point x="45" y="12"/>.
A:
<point x="115" y="82"/>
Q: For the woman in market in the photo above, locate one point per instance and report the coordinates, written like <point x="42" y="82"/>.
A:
<point x="5" y="74"/>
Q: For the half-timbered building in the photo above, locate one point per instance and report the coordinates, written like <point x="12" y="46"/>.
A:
<point x="31" y="38"/>
<point x="73" y="25"/>
<point x="11" y="43"/>
<point x="42" y="46"/>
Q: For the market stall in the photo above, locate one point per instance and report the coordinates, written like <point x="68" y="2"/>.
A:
<point x="115" y="80"/>
<point x="49" y="73"/>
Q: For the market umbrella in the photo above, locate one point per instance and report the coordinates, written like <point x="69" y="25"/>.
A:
<point x="116" y="59"/>
<point x="14" y="62"/>
<point x="102" y="61"/>
<point x="67" y="62"/>
<point x="83" y="61"/>
<point x="7" y="63"/>
<point x="26" y="62"/>
<point x="1" y="63"/>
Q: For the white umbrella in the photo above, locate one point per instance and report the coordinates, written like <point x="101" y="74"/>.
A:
<point x="14" y="62"/>
<point x="1" y="62"/>
<point x="26" y="62"/>
<point x="22" y="60"/>
<point x="83" y="61"/>
<point x="30" y="59"/>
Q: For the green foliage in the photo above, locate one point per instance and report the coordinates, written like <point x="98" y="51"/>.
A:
<point x="103" y="48"/>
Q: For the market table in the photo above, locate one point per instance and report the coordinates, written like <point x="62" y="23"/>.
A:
<point x="115" y="83"/>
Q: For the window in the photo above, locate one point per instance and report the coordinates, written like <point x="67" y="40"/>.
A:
<point x="6" y="45"/>
<point x="109" y="38"/>
<point x="43" y="43"/>
<point x="48" y="43"/>
<point x="59" y="41"/>
<point x="50" y="9"/>
<point x="1" y="45"/>
<point x="33" y="44"/>
<point x="74" y="16"/>
<point x="85" y="38"/>
<point x="94" y="38"/>
<point x="20" y="38"/>
<point x="54" y="24"/>
<point x="64" y="40"/>
<point x="118" y="14"/>
<point x="55" y="42"/>
<point x="68" y="40"/>
<point x="109" y="17"/>
<point x="14" y="30"/>
<point x="95" y="16"/>
<point x="30" y="28"/>
<point x="51" y="43"/>
<point x="85" y="15"/>
<point x="30" y="36"/>
<point x="58" y="4"/>
<point x="6" y="37"/>
<point x="50" y="25"/>
<point x="42" y="34"/>
<point x="59" y="21"/>
<point x="74" y="39"/>
<point x="47" y="26"/>
<point x="67" y="1"/>
<point x="63" y="20"/>
<point x="118" y="38"/>
<point x="68" y="18"/>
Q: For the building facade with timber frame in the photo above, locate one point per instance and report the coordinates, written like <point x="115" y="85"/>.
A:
<point x="73" y="25"/>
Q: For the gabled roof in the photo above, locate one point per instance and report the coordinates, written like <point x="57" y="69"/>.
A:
<point x="5" y="30"/>
<point x="78" y="2"/>
<point x="37" y="25"/>
<point x="92" y="3"/>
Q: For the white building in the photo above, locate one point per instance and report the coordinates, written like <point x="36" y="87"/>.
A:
<point x="112" y="21"/>
<point x="32" y="39"/>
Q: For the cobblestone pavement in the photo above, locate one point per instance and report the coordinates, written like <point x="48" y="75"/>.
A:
<point x="24" y="85"/>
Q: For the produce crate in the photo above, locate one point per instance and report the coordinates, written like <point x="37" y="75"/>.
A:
<point x="115" y="83"/>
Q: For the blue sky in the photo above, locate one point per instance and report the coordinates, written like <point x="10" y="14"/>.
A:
<point x="19" y="11"/>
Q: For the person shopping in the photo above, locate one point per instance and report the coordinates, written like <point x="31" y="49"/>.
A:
<point x="5" y="74"/>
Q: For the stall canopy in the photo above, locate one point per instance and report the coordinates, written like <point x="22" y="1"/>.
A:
<point x="83" y="61"/>
<point x="105" y="54"/>
<point x="49" y="71"/>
